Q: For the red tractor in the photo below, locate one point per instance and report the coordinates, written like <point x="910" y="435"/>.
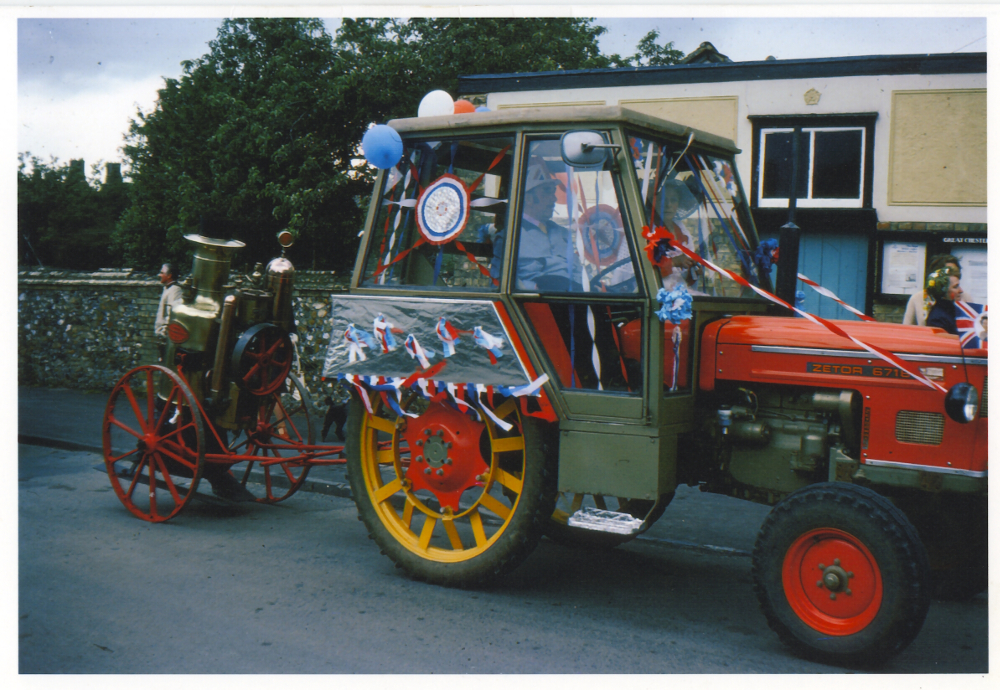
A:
<point x="559" y="315"/>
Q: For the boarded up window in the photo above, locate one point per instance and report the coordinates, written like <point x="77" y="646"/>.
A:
<point x="938" y="148"/>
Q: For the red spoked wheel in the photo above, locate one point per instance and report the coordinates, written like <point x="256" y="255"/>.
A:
<point x="262" y="359"/>
<point x="153" y="442"/>
<point x="841" y="574"/>
<point x="832" y="582"/>
<point x="281" y="426"/>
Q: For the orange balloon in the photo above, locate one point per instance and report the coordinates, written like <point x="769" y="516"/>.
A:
<point x="463" y="106"/>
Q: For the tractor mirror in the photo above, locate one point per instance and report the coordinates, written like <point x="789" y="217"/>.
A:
<point x="585" y="149"/>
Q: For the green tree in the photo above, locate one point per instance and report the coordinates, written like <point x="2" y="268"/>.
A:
<point x="388" y="65"/>
<point x="65" y="218"/>
<point x="243" y="145"/>
<point x="262" y="133"/>
<point x="650" y="54"/>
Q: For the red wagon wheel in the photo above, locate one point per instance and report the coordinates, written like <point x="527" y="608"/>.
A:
<point x="281" y="427"/>
<point x="154" y="446"/>
<point x="262" y="359"/>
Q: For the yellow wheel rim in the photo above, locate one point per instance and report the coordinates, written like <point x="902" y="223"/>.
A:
<point x="416" y="513"/>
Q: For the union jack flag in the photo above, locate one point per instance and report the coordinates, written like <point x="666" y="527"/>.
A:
<point x="971" y="319"/>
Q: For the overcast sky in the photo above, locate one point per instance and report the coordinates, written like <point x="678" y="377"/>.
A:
<point x="81" y="80"/>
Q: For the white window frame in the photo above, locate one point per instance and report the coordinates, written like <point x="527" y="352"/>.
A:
<point x="808" y="201"/>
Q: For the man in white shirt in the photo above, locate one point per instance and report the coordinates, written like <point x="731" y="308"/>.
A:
<point x="171" y="296"/>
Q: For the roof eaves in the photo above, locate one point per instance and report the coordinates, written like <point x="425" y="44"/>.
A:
<point x="864" y="65"/>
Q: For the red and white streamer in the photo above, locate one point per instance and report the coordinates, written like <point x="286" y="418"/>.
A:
<point x="827" y="293"/>
<point x="413" y="349"/>
<point x="832" y="327"/>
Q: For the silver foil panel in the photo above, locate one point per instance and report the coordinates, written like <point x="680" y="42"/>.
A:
<point x="385" y="336"/>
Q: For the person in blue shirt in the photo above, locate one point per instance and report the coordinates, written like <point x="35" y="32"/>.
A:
<point x="546" y="261"/>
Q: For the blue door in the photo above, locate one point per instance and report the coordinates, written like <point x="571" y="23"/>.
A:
<point x="838" y="262"/>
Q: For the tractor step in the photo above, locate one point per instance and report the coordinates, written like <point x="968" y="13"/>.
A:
<point x="605" y="521"/>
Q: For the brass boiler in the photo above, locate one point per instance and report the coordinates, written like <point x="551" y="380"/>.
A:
<point x="194" y="323"/>
<point x="280" y="277"/>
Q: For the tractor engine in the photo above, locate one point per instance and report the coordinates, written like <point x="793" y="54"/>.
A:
<point x="770" y="441"/>
<point x="232" y="348"/>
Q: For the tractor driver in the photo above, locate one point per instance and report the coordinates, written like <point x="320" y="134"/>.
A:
<point x="546" y="261"/>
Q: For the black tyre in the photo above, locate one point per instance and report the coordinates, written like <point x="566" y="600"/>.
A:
<point x="841" y="575"/>
<point x="449" y="499"/>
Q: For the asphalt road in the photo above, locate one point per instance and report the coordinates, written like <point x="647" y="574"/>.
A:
<point x="298" y="588"/>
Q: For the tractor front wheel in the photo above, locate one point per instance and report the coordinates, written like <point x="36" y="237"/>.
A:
<point x="841" y="574"/>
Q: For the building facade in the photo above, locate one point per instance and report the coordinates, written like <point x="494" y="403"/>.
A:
<point x="884" y="155"/>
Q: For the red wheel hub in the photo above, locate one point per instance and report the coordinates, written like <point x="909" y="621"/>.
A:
<point x="444" y="453"/>
<point x="832" y="582"/>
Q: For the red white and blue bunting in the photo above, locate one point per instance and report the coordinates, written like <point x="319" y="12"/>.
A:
<point x="477" y="400"/>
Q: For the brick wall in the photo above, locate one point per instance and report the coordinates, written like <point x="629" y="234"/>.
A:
<point x="84" y="330"/>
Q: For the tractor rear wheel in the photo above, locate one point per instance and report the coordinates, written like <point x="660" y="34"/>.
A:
<point x="841" y="574"/>
<point x="450" y="499"/>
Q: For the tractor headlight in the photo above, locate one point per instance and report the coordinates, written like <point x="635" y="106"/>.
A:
<point x="962" y="402"/>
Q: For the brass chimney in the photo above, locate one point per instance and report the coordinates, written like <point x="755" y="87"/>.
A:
<point x="210" y="270"/>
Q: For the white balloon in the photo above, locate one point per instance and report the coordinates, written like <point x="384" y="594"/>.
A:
<point x="436" y="103"/>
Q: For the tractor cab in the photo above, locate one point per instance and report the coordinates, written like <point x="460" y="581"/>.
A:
<point x="539" y="215"/>
<point x="522" y="353"/>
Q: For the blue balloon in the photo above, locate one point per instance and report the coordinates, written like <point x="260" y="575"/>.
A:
<point x="382" y="146"/>
<point x="482" y="109"/>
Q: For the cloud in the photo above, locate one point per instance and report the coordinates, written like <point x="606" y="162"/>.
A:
<point x="74" y="54"/>
<point x="88" y="124"/>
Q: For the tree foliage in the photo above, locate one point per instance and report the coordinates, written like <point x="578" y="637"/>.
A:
<point x="262" y="132"/>
<point x="243" y="145"/>
<point x="389" y="64"/>
<point x="650" y="54"/>
<point x="65" y="218"/>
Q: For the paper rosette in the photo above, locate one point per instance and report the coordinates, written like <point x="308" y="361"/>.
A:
<point x="443" y="209"/>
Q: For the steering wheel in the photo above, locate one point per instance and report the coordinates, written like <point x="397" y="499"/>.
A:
<point x="608" y="269"/>
<point x="603" y="232"/>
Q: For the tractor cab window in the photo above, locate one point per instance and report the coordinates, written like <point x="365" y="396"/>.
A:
<point x="575" y="266"/>
<point x="698" y="199"/>
<point x="571" y="228"/>
<point x="441" y="210"/>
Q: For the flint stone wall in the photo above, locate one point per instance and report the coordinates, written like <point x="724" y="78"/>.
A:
<point x="85" y="330"/>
